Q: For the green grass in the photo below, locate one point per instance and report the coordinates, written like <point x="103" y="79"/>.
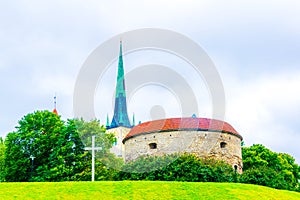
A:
<point x="140" y="190"/>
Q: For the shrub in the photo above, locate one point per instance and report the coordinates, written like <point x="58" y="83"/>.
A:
<point x="186" y="167"/>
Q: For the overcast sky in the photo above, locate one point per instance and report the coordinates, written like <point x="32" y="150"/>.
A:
<point x="254" y="45"/>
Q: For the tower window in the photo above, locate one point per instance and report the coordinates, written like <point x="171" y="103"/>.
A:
<point x="223" y="144"/>
<point x="153" y="146"/>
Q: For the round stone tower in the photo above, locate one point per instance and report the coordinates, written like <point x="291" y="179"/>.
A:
<point x="206" y="138"/>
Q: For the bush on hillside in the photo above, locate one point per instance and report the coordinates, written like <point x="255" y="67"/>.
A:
<point x="186" y="167"/>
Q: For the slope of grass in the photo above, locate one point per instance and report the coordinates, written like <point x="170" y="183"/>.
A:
<point x="140" y="190"/>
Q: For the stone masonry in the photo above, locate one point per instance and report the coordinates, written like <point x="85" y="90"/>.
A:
<point x="120" y="133"/>
<point x="204" y="144"/>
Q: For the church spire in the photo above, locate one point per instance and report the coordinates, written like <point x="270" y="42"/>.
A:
<point x="120" y="117"/>
<point x="54" y="110"/>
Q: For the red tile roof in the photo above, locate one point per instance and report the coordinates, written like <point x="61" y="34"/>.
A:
<point x="174" y="124"/>
<point x="55" y="111"/>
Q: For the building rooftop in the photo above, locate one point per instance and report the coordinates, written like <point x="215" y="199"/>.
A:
<point x="55" y="111"/>
<point x="177" y="124"/>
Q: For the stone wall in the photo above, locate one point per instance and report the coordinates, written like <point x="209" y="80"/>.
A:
<point x="204" y="144"/>
<point x="120" y="133"/>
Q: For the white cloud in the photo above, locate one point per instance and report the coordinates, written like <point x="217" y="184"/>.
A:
<point x="267" y="110"/>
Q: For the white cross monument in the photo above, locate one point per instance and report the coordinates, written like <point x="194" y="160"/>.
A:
<point x="93" y="149"/>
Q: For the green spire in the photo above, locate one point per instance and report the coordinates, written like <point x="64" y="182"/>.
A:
<point x="120" y="117"/>
<point x="120" y="89"/>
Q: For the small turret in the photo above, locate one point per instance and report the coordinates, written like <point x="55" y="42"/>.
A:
<point x="54" y="110"/>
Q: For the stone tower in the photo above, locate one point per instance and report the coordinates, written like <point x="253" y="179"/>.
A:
<point x="120" y="124"/>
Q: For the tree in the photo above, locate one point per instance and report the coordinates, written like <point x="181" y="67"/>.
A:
<point x="2" y="153"/>
<point x="106" y="163"/>
<point x="68" y="158"/>
<point x="87" y="129"/>
<point x="43" y="148"/>
<point x="264" y="167"/>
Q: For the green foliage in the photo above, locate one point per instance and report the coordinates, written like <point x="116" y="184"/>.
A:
<point x="261" y="166"/>
<point x="264" y="176"/>
<point x="87" y="129"/>
<point x="264" y="167"/>
<point x="2" y="162"/>
<point x="106" y="163"/>
<point x="174" y="167"/>
<point x="102" y="171"/>
<point x="46" y="148"/>
<point x="54" y="145"/>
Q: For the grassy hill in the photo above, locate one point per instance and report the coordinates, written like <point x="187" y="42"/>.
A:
<point x="140" y="190"/>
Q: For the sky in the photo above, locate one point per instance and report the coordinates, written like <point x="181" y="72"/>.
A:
<point x="254" y="45"/>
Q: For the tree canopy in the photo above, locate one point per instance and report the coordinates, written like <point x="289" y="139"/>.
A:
<point x="106" y="163"/>
<point x="87" y="129"/>
<point x="2" y="163"/>
<point x="265" y="167"/>
<point x="43" y="148"/>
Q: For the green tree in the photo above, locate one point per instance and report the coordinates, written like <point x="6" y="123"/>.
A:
<point x="68" y="158"/>
<point x="87" y="129"/>
<point x="264" y="167"/>
<point x="43" y="148"/>
<point x="2" y="163"/>
<point x="106" y="163"/>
